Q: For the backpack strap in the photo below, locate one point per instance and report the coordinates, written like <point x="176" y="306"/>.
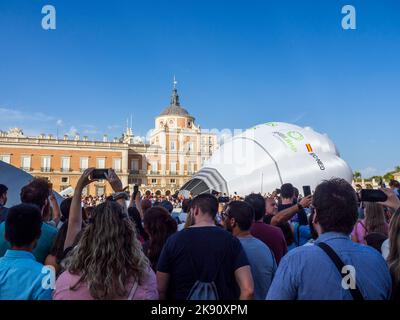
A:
<point x="355" y="293"/>
<point x="298" y="233"/>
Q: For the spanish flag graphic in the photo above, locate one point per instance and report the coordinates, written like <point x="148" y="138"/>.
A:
<point x="309" y="148"/>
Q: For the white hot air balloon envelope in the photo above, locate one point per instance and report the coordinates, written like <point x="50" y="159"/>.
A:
<point x="266" y="156"/>
<point x="15" y="179"/>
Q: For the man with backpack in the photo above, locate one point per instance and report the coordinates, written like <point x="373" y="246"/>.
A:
<point x="204" y="262"/>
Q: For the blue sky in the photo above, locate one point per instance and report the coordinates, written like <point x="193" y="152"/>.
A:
<point x="238" y="63"/>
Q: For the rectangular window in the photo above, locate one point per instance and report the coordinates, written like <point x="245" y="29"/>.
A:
<point x="46" y="164"/>
<point x="154" y="167"/>
<point x="100" y="190"/>
<point x="26" y="163"/>
<point x="84" y="163"/>
<point x="64" y="180"/>
<point x="190" y="146"/>
<point x="5" y="158"/>
<point x="85" y="191"/>
<point x="135" y="166"/>
<point x="117" y="164"/>
<point x="101" y="163"/>
<point x="173" y="145"/>
<point x="154" y="181"/>
<point x="173" y="181"/>
<point x="135" y="181"/>
<point x="190" y="167"/>
<point x="172" y="168"/>
<point x="65" y="164"/>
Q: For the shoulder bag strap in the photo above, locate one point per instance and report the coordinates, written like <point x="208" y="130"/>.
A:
<point x="133" y="290"/>
<point x="355" y="293"/>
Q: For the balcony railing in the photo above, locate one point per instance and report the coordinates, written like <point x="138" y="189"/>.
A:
<point x="25" y="168"/>
<point x="134" y="171"/>
<point x="82" y="169"/>
<point x="153" y="172"/>
<point x="45" y="169"/>
<point x="65" y="169"/>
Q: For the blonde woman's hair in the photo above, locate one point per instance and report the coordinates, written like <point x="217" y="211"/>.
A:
<point x="394" y="250"/>
<point x="108" y="254"/>
<point x="375" y="218"/>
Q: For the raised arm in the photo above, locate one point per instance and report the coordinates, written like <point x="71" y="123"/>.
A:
<point x="287" y="214"/>
<point x="138" y="204"/>
<point x="114" y="181"/>
<point x="393" y="201"/>
<point x="75" y="212"/>
<point x="56" y="208"/>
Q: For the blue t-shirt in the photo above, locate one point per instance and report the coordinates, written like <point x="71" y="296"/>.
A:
<point x="304" y="232"/>
<point x="262" y="263"/>
<point x="43" y="246"/>
<point x="307" y="273"/>
<point x="22" y="278"/>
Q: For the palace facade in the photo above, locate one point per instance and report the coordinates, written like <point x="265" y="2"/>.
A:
<point x="176" y="150"/>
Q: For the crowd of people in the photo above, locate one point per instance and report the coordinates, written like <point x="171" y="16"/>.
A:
<point x="279" y="246"/>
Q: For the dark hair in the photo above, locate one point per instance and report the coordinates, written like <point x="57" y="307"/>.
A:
<point x="134" y="214"/>
<point x="65" y="206"/>
<point x="167" y="205"/>
<point x="335" y="203"/>
<point x="287" y="232"/>
<point x="57" y="249"/>
<point x="258" y="203"/>
<point x="3" y="189"/>
<point x="287" y="191"/>
<point x="243" y="213"/>
<point x="186" y="205"/>
<point x="145" y="204"/>
<point x="314" y="233"/>
<point x="394" y="183"/>
<point x="159" y="225"/>
<point x="295" y="192"/>
<point x="36" y="192"/>
<point x="207" y="203"/>
<point x="23" y="225"/>
<point x="375" y="240"/>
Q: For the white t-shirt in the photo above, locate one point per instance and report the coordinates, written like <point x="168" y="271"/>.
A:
<point x="385" y="249"/>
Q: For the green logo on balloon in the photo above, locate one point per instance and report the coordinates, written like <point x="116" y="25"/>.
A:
<point x="295" y="135"/>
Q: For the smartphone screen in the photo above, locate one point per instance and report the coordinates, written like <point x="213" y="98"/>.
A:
<point x="99" y="174"/>
<point x="307" y="191"/>
<point x="371" y="195"/>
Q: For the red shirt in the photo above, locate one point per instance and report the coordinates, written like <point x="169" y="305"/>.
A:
<point x="272" y="236"/>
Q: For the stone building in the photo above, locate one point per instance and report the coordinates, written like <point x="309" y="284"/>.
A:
<point x="176" y="150"/>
